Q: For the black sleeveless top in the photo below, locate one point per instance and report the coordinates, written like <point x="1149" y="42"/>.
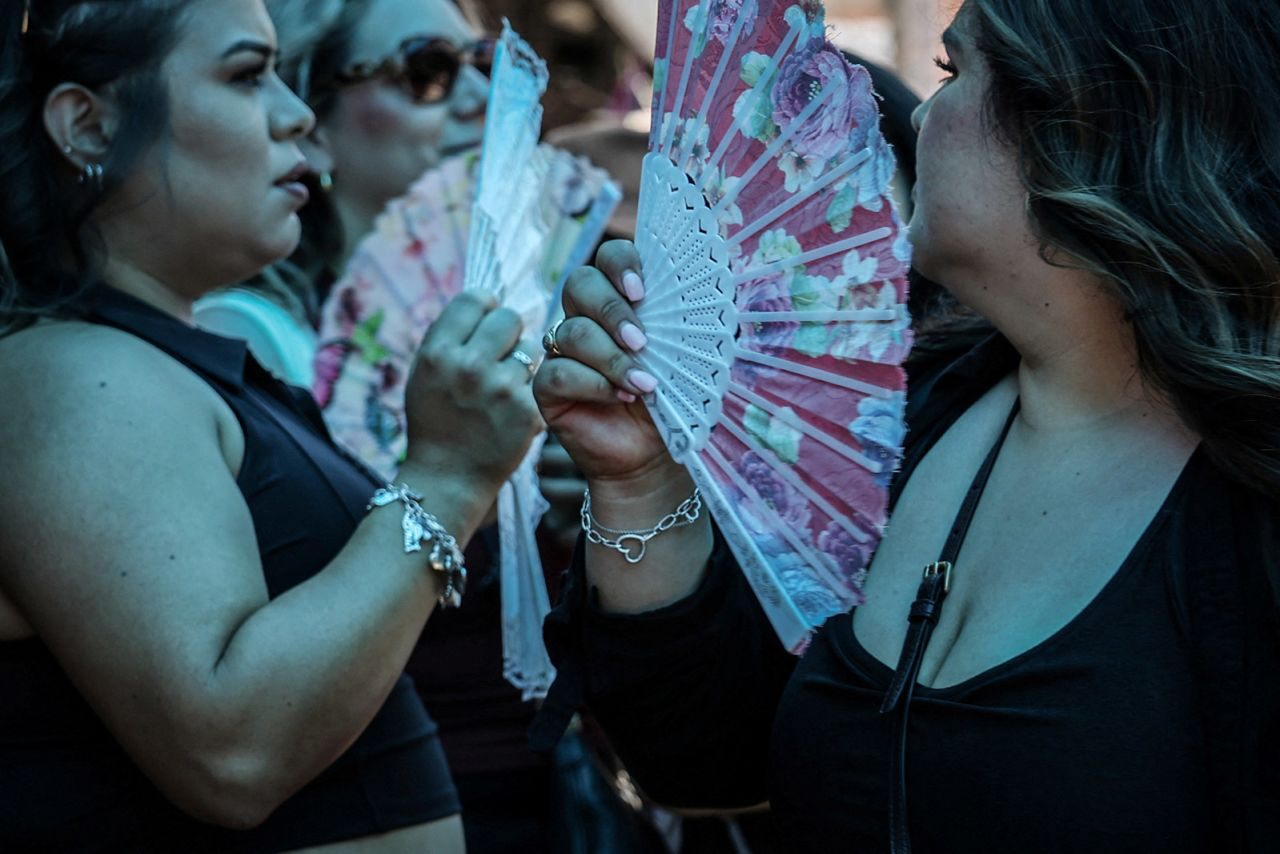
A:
<point x="64" y="782"/>
<point x="1150" y="722"/>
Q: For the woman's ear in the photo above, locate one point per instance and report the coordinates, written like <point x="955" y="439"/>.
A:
<point x="81" y="124"/>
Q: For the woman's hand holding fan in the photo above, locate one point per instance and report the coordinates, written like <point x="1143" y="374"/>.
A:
<point x="774" y="267"/>
<point x="589" y="399"/>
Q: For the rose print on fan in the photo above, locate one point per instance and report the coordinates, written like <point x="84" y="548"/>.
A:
<point x="881" y="420"/>
<point x="804" y="76"/>
<point x="768" y="295"/>
<point x="715" y="21"/>
<point x="768" y="360"/>
<point x="849" y="554"/>
<point x="780" y="502"/>
<point x="725" y="13"/>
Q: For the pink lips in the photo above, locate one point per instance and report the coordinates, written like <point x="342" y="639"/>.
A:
<point x="292" y="184"/>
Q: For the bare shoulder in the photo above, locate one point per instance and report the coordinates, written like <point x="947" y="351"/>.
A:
<point x="115" y="457"/>
<point x="52" y="363"/>
<point x="66" y="383"/>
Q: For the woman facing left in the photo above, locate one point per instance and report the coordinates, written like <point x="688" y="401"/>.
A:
<point x="202" y="629"/>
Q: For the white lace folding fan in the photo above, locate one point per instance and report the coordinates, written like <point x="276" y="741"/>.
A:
<point x="775" y="272"/>
<point x="505" y="248"/>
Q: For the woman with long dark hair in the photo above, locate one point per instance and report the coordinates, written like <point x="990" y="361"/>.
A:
<point x="205" y="606"/>
<point x="1099" y="180"/>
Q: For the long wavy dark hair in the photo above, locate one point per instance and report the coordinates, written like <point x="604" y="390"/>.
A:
<point x="48" y="254"/>
<point x="1149" y="141"/>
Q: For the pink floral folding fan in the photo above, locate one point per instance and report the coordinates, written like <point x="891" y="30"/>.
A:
<point x="513" y="222"/>
<point x="775" y="266"/>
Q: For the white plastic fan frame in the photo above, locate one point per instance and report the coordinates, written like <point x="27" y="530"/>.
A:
<point x="691" y="319"/>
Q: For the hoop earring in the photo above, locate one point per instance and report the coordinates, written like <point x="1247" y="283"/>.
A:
<point x="91" y="176"/>
<point x="326" y="182"/>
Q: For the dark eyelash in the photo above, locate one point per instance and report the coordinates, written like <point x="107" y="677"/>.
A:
<point x="946" y="65"/>
<point x="255" y="73"/>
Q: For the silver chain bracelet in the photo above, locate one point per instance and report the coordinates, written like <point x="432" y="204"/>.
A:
<point x="633" y="544"/>
<point x="421" y="528"/>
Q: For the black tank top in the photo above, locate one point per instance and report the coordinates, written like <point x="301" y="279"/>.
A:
<point x="64" y="782"/>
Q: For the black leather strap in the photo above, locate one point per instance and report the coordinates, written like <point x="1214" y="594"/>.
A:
<point x="924" y="615"/>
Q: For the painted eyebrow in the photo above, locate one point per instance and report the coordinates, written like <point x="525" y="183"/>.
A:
<point x="266" y="50"/>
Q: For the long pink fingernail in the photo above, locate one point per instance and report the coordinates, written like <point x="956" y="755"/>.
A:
<point x="632" y="336"/>
<point x="633" y="286"/>
<point x="643" y="380"/>
<point x="626" y="396"/>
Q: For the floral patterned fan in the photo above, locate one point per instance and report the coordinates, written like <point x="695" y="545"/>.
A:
<point x="404" y="273"/>
<point x="513" y="221"/>
<point x="775" y="270"/>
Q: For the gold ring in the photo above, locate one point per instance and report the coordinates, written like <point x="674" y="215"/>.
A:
<point x="549" y="340"/>
<point x="525" y="359"/>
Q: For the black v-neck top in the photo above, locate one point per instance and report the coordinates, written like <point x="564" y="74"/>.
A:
<point x="1114" y="734"/>
<point x="64" y="782"/>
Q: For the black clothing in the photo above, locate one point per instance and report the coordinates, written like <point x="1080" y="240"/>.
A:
<point x="65" y="784"/>
<point x="504" y="787"/>
<point x="1108" y="736"/>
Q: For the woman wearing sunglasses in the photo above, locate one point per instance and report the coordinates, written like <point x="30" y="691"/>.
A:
<point x="206" y="608"/>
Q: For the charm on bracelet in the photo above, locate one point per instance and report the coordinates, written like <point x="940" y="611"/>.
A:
<point x="422" y="529"/>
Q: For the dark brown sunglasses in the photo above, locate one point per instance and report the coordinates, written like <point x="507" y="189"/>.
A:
<point x="426" y="67"/>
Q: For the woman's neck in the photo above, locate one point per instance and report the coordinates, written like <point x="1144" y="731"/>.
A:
<point x="146" y="287"/>
<point x="356" y="221"/>
<point x="1079" y="368"/>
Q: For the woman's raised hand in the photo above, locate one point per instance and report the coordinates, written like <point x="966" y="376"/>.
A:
<point x="469" y="409"/>
<point x="589" y="394"/>
<point x="589" y="398"/>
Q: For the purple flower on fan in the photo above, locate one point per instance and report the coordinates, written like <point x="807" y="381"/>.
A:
<point x="724" y="15"/>
<point x="788" y="507"/>
<point x="769" y="295"/>
<point x="849" y="554"/>
<point x="847" y="116"/>
<point x="813" y="10"/>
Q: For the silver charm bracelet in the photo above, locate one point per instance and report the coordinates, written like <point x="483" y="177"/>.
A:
<point x="633" y="544"/>
<point x="421" y="528"/>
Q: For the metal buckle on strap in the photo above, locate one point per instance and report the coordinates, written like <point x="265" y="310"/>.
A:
<point x="942" y="568"/>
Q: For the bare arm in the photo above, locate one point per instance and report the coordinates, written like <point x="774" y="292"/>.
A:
<point x="138" y="566"/>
